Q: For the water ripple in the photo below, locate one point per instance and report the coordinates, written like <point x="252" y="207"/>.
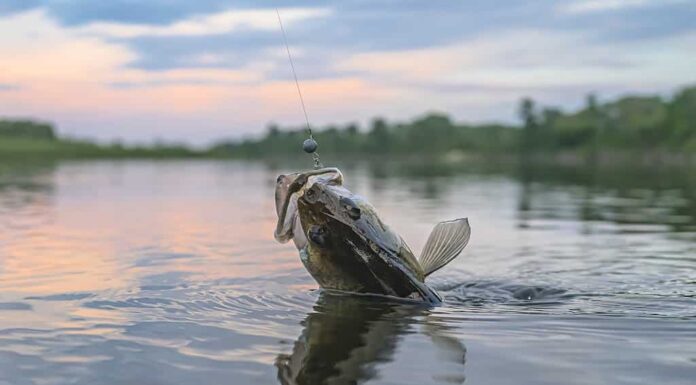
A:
<point x="167" y="273"/>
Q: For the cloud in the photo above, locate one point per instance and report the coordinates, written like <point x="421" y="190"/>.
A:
<point x="175" y="34"/>
<point x="549" y="65"/>
<point x="162" y="34"/>
<point x="9" y="87"/>
<point x="73" y="13"/>
<point x="209" y="24"/>
<point x="649" y="22"/>
<point x="38" y="52"/>
<point x="202" y="69"/>
<point x="229" y="39"/>
<point x="160" y="82"/>
<point x="506" y="58"/>
<point x="318" y="36"/>
<point x="592" y="6"/>
<point x="212" y="36"/>
<point x="8" y="7"/>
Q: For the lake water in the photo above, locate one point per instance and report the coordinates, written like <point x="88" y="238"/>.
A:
<point x="167" y="273"/>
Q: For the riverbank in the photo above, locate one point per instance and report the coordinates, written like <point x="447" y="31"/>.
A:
<point x="21" y="148"/>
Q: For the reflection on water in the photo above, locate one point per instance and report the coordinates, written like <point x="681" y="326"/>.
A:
<point x="622" y="194"/>
<point x="347" y="336"/>
<point x="167" y="273"/>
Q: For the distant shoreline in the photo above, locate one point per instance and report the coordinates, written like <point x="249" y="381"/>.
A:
<point x="642" y="129"/>
<point x="27" y="149"/>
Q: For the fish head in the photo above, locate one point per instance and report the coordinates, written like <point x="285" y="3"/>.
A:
<point x="325" y="208"/>
<point x="347" y="238"/>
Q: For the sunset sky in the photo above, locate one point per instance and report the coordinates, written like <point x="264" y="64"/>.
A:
<point x="208" y="69"/>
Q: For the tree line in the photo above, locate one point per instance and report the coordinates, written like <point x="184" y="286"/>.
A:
<point x="631" y="122"/>
<point x="34" y="140"/>
<point x="641" y="123"/>
<point x="26" y="129"/>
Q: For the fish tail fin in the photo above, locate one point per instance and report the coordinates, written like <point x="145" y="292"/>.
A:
<point x="445" y="242"/>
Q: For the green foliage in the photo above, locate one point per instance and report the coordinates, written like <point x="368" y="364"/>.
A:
<point x="635" y="123"/>
<point x="26" y="129"/>
<point x="641" y="123"/>
<point x="632" y="122"/>
<point x="38" y="145"/>
<point x="432" y="134"/>
<point x="32" y="148"/>
<point x="682" y="116"/>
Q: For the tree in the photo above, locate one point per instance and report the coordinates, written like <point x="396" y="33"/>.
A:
<point x="528" y="114"/>
<point x="682" y="115"/>
<point x="27" y="129"/>
<point x="273" y="130"/>
<point x="352" y="129"/>
<point x="530" y="121"/>
<point x="378" y="138"/>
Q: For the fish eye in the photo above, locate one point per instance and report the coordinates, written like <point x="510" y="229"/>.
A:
<point x="279" y="178"/>
<point x="351" y="208"/>
<point x="353" y="212"/>
<point x="311" y="195"/>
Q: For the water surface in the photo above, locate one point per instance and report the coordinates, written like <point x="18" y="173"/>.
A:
<point x="167" y="273"/>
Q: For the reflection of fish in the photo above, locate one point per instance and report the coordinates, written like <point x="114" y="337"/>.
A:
<point x="345" y="246"/>
<point x="345" y="337"/>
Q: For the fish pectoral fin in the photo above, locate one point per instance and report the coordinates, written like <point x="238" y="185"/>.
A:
<point x="445" y="242"/>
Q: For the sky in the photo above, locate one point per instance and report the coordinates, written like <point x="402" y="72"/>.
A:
<point x="198" y="71"/>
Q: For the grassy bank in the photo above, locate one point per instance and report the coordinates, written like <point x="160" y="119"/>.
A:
<point x="32" y="139"/>
<point x="67" y="149"/>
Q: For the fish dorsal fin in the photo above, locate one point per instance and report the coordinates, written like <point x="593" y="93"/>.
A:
<point x="445" y="242"/>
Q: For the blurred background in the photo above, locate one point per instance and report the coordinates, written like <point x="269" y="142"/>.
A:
<point x="140" y="142"/>
<point x="616" y="72"/>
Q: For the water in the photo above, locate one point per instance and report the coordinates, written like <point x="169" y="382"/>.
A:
<point x="167" y="273"/>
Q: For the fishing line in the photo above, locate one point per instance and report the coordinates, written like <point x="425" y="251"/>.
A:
<point x="310" y="145"/>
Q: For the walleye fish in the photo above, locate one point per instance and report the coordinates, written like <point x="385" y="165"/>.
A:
<point x="345" y="246"/>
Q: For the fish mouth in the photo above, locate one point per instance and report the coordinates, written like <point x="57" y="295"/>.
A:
<point x="291" y="187"/>
<point x="317" y="207"/>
